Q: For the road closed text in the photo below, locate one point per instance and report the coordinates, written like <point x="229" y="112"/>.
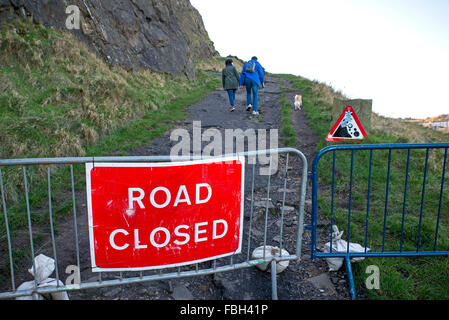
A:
<point x="150" y="216"/>
<point x="160" y="237"/>
<point x="136" y="196"/>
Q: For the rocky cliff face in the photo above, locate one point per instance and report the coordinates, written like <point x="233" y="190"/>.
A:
<point x="161" y="35"/>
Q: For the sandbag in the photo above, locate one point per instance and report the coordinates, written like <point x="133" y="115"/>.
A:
<point x="270" y="252"/>
<point x="44" y="268"/>
<point x="339" y="245"/>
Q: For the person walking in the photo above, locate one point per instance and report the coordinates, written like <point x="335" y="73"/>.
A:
<point x="230" y="79"/>
<point x="252" y="76"/>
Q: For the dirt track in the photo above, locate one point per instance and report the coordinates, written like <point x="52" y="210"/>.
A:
<point x="306" y="279"/>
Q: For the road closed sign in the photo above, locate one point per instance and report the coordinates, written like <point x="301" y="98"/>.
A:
<point x="145" y="216"/>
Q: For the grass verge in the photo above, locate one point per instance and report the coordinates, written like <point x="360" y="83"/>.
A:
<point x="288" y="132"/>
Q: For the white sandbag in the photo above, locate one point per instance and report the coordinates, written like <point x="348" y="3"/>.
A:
<point x="270" y="252"/>
<point x="28" y="286"/>
<point x="44" y="268"/>
<point x="339" y="245"/>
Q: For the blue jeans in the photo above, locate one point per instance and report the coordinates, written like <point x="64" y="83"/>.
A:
<point x="252" y="93"/>
<point x="231" y="94"/>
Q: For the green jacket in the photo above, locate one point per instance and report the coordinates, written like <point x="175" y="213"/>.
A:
<point x="230" y="78"/>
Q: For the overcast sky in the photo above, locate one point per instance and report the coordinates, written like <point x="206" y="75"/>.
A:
<point x="395" y="52"/>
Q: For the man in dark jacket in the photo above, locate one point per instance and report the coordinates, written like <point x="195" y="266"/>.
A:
<point x="253" y="77"/>
<point x="230" y="79"/>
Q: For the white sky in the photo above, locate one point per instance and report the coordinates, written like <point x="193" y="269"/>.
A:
<point x="395" y="52"/>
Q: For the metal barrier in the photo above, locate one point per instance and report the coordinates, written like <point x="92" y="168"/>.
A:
<point x="358" y="215"/>
<point x="204" y="268"/>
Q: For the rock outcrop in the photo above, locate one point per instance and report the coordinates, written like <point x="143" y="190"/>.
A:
<point x="165" y="36"/>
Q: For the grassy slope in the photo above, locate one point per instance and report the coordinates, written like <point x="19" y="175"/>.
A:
<point x="400" y="278"/>
<point x="59" y="100"/>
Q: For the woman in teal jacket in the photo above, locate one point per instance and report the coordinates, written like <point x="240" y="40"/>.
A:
<point x="230" y="79"/>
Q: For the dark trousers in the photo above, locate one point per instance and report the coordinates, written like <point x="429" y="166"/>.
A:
<point x="231" y="94"/>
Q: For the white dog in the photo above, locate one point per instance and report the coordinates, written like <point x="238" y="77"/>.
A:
<point x="298" y="102"/>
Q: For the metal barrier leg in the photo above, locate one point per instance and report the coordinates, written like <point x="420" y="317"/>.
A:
<point x="350" y="277"/>
<point x="274" y="289"/>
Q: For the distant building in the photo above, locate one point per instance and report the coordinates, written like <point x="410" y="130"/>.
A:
<point x="439" y="125"/>
<point x="436" y="123"/>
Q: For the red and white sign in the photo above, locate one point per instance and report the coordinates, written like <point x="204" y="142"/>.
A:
<point x="348" y="127"/>
<point x="159" y="215"/>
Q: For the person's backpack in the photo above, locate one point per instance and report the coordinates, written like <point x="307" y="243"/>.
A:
<point x="250" y="67"/>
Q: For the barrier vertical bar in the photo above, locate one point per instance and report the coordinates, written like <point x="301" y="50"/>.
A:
<point x="350" y="277"/>
<point x="251" y="212"/>
<point x="301" y="206"/>
<point x="405" y="199"/>
<point x="350" y="200"/>
<point x="274" y="290"/>
<point x="386" y="200"/>
<point x="441" y="199"/>
<point x="50" y="209"/>
<point x="368" y="198"/>
<point x="422" y="200"/>
<point x="266" y="210"/>
<point x="75" y="223"/>
<point x="30" y="230"/>
<point x="283" y="204"/>
<point x="332" y="201"/>
<point x="8" y="233"/>
<point x="314" y="206"/>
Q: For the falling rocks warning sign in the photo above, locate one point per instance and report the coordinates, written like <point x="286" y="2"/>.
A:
<point x="348" y="127"/>
<point x="145" y="216"/>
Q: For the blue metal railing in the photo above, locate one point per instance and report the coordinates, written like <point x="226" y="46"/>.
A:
<point x="381" y="249"/>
